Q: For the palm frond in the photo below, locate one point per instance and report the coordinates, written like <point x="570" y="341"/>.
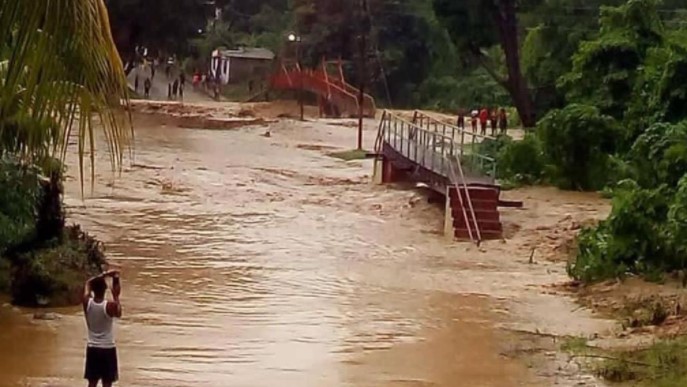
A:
<point x="59" y="69"/>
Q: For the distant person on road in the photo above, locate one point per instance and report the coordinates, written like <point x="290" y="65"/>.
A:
<point x="152" y="70"/>
<point x="503" y="121"/>
<point x="473" y="120"/>
<point x="182" y="79"/>
<point x="196" y="80"/>
<point x="493" y="120"/>
<point x="101" y="352"/>
<point x="146" y="86"/>
<point x="461" y="118"/>
<point x="483" y="119"/>
<point x="215" y="90"/>
<point x="175" y="88"/>
<point x="136" y="82"/>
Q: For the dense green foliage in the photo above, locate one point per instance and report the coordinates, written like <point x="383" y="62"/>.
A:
<point x="19" y="193"/>
<point x="517" y="162"/>
<point x="646" y="230"/>
<point x="577" y="141"/>
<point x="632" y="240"/>
<point x="521" y="162"/>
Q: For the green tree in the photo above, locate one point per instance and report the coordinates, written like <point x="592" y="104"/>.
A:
<point x="604" y="69"/>
<point x="478" y="25"/>
<point x="577" y="141"/>
<point x="162" y="26"/>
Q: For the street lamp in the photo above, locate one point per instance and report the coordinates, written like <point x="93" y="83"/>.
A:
<point x="293" y="38"/>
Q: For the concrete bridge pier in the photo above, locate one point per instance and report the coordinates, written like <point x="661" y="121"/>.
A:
<point x="385" y="172"/>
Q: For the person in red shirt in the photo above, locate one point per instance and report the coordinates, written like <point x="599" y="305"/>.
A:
<point x="483" y="120"/>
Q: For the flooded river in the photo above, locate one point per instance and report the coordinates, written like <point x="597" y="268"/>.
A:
<point x="255" y="261"/>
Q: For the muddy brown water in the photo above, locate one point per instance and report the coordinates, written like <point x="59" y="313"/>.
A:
<point x="249" y="261"/>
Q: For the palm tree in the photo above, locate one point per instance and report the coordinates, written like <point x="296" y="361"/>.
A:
<point x="61" y="78"/>
<point x="59" y="69"/>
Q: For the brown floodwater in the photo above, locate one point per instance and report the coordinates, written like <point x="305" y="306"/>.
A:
<point x="255" y="261"/>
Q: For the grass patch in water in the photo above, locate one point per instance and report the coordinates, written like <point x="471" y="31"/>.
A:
<point x="575" y="345"/>
<point x="663" y="364"/>
<point x="353" y="154"/>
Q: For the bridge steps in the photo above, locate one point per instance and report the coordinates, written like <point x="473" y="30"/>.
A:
<point x="485" y="202"/>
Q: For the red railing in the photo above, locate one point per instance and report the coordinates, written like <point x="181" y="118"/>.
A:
<point x="319" y="82"/>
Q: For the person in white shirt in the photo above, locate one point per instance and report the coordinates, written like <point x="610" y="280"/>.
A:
<point x="101" y="352"/>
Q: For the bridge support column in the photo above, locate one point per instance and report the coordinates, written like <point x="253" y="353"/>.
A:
<point x="384" y="172"/>
<point x="378" y="172"/>
<point x="449" y="230"/>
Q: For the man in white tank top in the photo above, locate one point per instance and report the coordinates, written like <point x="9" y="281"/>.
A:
<point x="101" y="353"/>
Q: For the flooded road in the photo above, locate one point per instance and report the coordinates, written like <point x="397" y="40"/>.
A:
<point x="255" y="261"/>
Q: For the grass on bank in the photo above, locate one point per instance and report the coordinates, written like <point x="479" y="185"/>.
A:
<point x="663" y="364"/>
<point x="348" y="155"/>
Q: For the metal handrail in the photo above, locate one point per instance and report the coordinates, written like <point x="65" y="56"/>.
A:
<point x="450" y="125"/>
<point x="380" y="134"/>
<point x="456" y="130"/>
<point x="478" y="239"/>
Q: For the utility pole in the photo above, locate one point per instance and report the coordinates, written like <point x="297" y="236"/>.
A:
<point x="300" y="69"/>
<point x="362" y="67"/>
<point x="296" y="39"/>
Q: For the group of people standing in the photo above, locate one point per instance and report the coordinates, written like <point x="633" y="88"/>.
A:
<point x="496" y="118"/>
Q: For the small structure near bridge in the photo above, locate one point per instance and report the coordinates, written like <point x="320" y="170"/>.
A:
<point x="242" y="64"/>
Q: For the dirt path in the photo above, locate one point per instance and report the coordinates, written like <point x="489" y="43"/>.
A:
<point x="159" y="89"/>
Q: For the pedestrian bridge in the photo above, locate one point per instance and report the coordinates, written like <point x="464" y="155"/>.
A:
<point x="427" y="149"/>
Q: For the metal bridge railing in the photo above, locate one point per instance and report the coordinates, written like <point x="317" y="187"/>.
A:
<point x="429" y="149"/>
<point x="467" y="140"/>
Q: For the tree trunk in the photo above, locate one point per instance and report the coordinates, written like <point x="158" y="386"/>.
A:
<point x="507" y="23"/>
<point x="50" y="222"/>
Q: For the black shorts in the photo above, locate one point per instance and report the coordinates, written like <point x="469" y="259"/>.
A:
<point x="101" y="364"/>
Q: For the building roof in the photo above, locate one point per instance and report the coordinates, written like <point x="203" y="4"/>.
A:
<point x="246" y="53"/>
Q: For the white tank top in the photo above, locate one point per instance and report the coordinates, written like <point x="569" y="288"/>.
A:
<point x="99" y="325"/>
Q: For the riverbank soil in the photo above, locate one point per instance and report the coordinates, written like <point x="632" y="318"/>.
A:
<point x="251" y="259"/>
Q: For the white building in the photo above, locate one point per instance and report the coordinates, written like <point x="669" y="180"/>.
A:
<point x="246" y="63"/>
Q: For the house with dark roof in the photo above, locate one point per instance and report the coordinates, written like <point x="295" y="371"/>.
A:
<point x="241" y="65"/>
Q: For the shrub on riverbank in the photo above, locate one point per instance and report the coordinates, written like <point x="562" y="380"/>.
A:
<point x="518" y="162"/>
<point x="646" y="232"/>
<point x="53" y="274"/>
<point x="577" y="142"/>
<point x="634" y="238"/>
<point x="41" y="262"/>
<point x="19" y="193"/>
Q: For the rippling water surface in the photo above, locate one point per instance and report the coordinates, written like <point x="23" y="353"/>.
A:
<point x="249" y="261"/>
